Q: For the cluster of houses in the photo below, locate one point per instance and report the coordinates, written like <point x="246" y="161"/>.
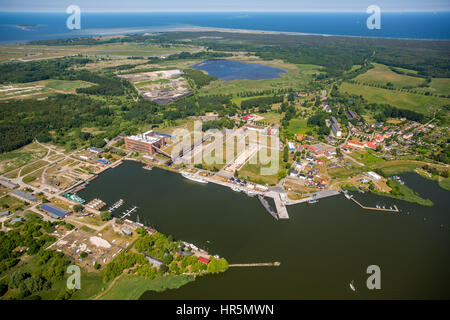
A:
<point x="306" y="170"/>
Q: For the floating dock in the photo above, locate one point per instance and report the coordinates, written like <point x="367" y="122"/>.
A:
<point x="115" y="206"/>
<point x="128" y="212"/>
<point x="395" y="209"/>
<point x="96" y="204"/>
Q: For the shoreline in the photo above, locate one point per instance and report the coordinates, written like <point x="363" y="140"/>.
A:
<point x="115" y="32"/>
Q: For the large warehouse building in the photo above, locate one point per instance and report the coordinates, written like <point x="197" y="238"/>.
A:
<point x="145" y="142"/>
<point x="53" y="210"/>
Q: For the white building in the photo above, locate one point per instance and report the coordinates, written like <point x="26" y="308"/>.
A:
<point x="374" y="175"/>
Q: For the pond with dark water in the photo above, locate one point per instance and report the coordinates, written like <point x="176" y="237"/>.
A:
<point x="227" y="70"/>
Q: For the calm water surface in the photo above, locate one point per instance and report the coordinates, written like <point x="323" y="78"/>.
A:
<point x="321" y="248"/>
<point x="233" y="70"/>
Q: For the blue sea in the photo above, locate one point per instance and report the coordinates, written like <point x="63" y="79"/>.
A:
<point x="393" y="25"/>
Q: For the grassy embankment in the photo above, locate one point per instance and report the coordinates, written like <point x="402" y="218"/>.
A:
<point x="130" y="287"/>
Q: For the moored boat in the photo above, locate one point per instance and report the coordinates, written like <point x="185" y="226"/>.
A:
<point x="193" y="178"/>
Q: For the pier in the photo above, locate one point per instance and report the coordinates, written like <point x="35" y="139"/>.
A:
<point x="128" y="212"/>
<point x="263" y="264"/>
<point x="267" y="206"/>
<point x="281" y="208"/>
<point x="395" y="209"/>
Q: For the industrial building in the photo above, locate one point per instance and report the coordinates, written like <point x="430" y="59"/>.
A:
<point x="145" y="142"/>
<point x="8" y="184"/>
<point x="53" y="210"/>
<point x="25" y="196"/>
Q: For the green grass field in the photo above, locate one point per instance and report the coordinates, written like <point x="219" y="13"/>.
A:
<point x="138" y="49"/>
<point x="40" y="89"/>
<point x="403" y="100"/>
<point x="407" y="194"/>
<point x="366" y="157"/>
<point x="252" y="169"/>
<point x="11" y="203"/>
<point x="440" y="85"/>
<point x="130" y="287"/>
<point x="297" y="126"/>
<point x="67" y="86"/>
<point x="340" y="173"/>
<point x="10" y="161"/>
<point x="34" y="166"/>
<point x="398" y="169"/>
<point x="444" y="183"/>
<point x="381" y="74"/>
<point x="272" y="117"/>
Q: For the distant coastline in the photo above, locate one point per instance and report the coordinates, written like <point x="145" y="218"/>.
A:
<point x="250" y="31"/>
<point x="410" y="26"/>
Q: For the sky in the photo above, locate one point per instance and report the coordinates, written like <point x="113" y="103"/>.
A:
<point x="223" y="5"/>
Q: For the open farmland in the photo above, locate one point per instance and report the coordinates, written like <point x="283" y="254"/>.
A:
<point x="381" y="74"/>
<point x="403" y="100"/>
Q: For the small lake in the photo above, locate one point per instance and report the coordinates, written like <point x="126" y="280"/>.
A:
<point x="227" y="70"/>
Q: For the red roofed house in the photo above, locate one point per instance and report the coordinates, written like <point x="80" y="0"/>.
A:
<point x="371" y="145"/>
<point x="299" y="136"/>
<point x="356" y="144"/>
<point x="203" y="260"/>
<point x="311" y="148"/>
<point x="379" y="138"/>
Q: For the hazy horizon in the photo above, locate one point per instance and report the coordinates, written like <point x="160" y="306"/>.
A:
<point x="181" y="6"/>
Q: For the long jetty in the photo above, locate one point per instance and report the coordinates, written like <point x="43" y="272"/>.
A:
<point x="128" y="213"/>
<point x="395" y="209"/>
<point x="263" y="264"/>
<point x="268" y="207"/>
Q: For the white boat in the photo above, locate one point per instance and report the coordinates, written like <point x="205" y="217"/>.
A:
<point x="352" y="286"/>
<point x="237" y="189"/>
<point x="251" y="193"/>
<point x="193" y="178"/>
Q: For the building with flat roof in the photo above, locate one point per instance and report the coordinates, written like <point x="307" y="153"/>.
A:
<point x="335" y="127"/>
<point x="155" y="262"/>
<point x="352" y="115"/>
<point x="4" y="213"/>
<point x="53" y="210"/>
<point x="144" y="142"/>
<point x="95" y="150"/>
<point x="374" y="175"/>
<point x="291" y="146"/>
<point x="8" y="184"/>
<point x="25" y="196"/>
